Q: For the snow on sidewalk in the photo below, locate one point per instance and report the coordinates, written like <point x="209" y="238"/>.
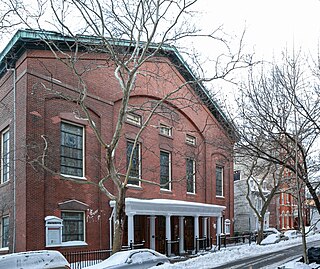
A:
<point x="230" y="254"/>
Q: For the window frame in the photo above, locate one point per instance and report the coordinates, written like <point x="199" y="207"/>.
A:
<point x="138" y="147"/>
<point x="2" y="232"/>
<point x="169" y="169"/>
<point x="219" y="167"/>
<point x="5" y="143"/>
<point x="193" y="175"/>
<point x="133" y="118"/>
<point x="83" y="149"/>
<point x="84" y="226"/>
<point x="191" y="140"/>
<point x="165" y="130"/>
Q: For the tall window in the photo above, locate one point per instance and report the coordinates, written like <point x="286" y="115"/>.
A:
<point x="165" y="170"/>
<point x="73" y="226"/>
<point x="288" y="220"/>
<point x="191" y="175"/>
<point x="219" y="181"/>
<point x="4" y="232"/>
<point x="135" y="164"/>
<point x="5" y="156"/>
<point x="72" y="150"/>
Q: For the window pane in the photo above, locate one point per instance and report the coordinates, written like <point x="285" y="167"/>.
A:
<point x="5" y="232"/>
<point x="165" y="130"/>
<point x="135" y="166"/>
<point x="71" y="151"/>
<point x="164" y="169"/>
<point x="191" y="139"/>
<point x="73" y="226"/>
<point x="190" y="175"/>
<point x="219" y="181"/>
<point x="134" y="119"/>
<point x="5" y="156"/>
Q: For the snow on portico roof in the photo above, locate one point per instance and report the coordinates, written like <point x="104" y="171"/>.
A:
<point x="170" y="207"/>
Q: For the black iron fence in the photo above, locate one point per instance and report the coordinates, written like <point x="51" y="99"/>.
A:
<point x="172" y="247"/>
<point x="81" y="259"/>
<point x="225" y="241"/>
<point x="134" y="245"/>
<point x="203" y="244"/>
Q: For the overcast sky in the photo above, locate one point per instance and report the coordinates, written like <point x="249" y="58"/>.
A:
<point x="271" y="25"/>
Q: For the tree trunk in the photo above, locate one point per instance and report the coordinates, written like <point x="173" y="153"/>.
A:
<point x="120" y="218"/>
<point x="260" y="232"/>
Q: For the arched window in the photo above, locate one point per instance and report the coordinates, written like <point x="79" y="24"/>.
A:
<point x="288" y="220"/>
<point x="282" y="219"/>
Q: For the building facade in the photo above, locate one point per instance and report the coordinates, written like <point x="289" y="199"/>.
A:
<point x="185" y="151"/>
<point x="246" y="220"/>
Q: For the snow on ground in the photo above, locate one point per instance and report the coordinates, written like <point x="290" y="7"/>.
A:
<point x="230" y="254"/>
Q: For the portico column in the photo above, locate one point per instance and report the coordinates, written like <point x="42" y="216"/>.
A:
<point x="181" y="235"/>
<point x="218" y="229"/>
<point x="153" y="232"/>
<point x="168" y="232"/>
<point x="130" y="228"/>
<point x="205" y="227"/>
<point x="196" y="232"/>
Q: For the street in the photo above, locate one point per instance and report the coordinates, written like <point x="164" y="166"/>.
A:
<point x="270" y="260"/>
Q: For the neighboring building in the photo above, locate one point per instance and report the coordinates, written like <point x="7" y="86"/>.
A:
<point x="282" y="210"/>
<point x="246" y="220"/>
<point x="288" y="217"/>
<point x="188" y="142"/>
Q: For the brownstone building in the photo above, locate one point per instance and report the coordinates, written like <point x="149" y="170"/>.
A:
<point x="186" y="150"/>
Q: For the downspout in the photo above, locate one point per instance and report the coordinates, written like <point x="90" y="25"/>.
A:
<point x="14" y="158"/>
<point x="110" y="227"/>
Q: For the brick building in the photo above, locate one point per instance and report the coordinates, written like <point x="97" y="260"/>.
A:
<point x="186" y="146"/>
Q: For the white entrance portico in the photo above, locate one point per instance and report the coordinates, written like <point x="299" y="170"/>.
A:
<point x="169" y="208"/>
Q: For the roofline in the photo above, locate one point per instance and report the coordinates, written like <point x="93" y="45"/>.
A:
<point x="9" y="55"/>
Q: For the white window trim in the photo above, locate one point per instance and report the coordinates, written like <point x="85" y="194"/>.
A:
<point x="194" y="176"/>
<point x="139" y="158"/>
<point x="222" y="181"/>
<point x="2" y="154"/>
<point x="170" y="171"/>
<point x="76" y="243"/>
<point x="83" y="151"/>
<point x="1" y="229"/>
<point x="191" y="140"/>
<point x="167" y="128"/>
<point x="135" y="119"/>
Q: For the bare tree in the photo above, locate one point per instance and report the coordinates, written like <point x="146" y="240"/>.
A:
<point x="276" y="106"/>
<point x="130" y="35"/>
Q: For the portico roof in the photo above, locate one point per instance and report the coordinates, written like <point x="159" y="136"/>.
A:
<point x="170" y="207"/>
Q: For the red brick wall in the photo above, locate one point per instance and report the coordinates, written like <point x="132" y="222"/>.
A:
<point x="41" y="112"/>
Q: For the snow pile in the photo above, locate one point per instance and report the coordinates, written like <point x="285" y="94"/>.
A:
<point x="239" y="252"/>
